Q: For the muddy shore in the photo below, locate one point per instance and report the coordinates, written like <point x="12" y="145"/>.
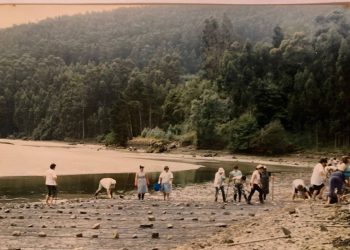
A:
<point x="191" y="220"/>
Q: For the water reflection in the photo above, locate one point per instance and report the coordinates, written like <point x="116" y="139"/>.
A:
<point x="32" y="187"/>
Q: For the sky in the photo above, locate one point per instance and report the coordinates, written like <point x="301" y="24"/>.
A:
<point x="15" y="12"/>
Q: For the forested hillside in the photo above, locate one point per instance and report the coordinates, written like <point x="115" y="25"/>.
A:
<point x="255" y="79"/>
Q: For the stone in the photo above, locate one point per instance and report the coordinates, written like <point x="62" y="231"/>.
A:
<point x="151" y="218"/>
<point x="120" y="207"/>
<point x="146" y="225"/>
<point x="211" y="219"/>
<point x="31" y="225"/>
<point x="21" y="217"/>
<point x="164" y="212"/>
<point x="169" y="237"/>
<point x="114" y="227"/>
<point x="79" y="235"/>
<point x="7" y="211"/>
<point x="73" y="217"/>
<point x="169" y="226"/>
<point x="82" y="212"/>
<point x="43" y="226"/>
<point x="42" y="234"/>
<point x="179" y="218"/>
<point x="94" y="236"/>
<point x="73" y="226"/>
<point x="155" y="235"/>
<point x="226" y="213"/>
<point x="96" y="226"/>
<point x="286" y="231"/>
<point x="292" y="211"/>
<point x="221" y="225"/>
<point x="323" y="228"/>
<point x="115" y="235"/>
<point x="59" y="211"/>
<point x="16" y="233"/>
<point x="251" y="214"/>
<point x="195" y="219"/>
<point x="134" y="236"/>
<point x="149" y="212"/>
<point x="13" y="225"/>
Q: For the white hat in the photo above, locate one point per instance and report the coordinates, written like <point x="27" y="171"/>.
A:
<point x="221" y="170"/>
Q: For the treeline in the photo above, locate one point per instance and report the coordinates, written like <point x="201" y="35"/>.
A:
<point x="280" y="89"/>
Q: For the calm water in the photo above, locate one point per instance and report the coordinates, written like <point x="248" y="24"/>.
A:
<point x="70" y="186"/>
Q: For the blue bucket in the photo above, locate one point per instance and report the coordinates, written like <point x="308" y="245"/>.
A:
<point x="156" y="187"/>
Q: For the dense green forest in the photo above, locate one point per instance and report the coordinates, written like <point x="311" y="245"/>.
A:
<point x="252" y="79"/>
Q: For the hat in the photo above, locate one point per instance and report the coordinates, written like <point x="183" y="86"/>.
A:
<point x="259" y="166"/>
<point x="221" y="170"/>
<point x="166" y="167"/>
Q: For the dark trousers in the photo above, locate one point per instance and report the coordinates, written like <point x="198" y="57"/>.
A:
<point x="238" y="189"/>
<point x="257" y="188"/>
<point x="222" y="192"/>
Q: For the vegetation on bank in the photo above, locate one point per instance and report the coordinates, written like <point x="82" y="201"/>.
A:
<point x="268" y="89"/>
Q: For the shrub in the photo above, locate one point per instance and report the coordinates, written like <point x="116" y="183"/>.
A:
<point x="110" y="139"/>
<point x="189" y="138"/>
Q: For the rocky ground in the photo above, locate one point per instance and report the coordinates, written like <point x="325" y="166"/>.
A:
<point x="191" y="220"/>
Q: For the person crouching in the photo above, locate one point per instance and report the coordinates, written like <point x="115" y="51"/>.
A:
<point x="108" y="184"/>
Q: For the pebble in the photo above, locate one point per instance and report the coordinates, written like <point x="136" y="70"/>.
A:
<point x="42" y="234"/>
<point x="13" y="225"/>
<point x="149" y="212"/>
<point x="151" y="218"/>
<point x="79" y="235"/>
<point x="31" y="225"/>
<point x="251" y="214"/>
<point x="169" y="237"/>
<point x="21" y="217"/>
<point x="115" y="235"/>
<point x="7" y="211"/>
<point x="323" y="228"/>
<point x="226" y="213"/>
<point x="95" y="236"/>
<point x="73" y="217"/>
<point x="286" y="231"/>
<point x="96" y="226"/>
<point x="43" y="226"/>
<point x="146" y="225"/>
<point x="292" y="211"/>
<point x="134" y="236"/>
<point x="16" y="233"/>
<point x="221" y="225"/>
<point x="169" y="225"/>
<point x="155" y="235"/>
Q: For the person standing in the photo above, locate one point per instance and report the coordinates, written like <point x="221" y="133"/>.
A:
<point x="166" y="181"/>
<point x="219" y="184"/>
<point x="106" y="183"/>
<point x="255" y="183"/>
<point x="318" y="178"/>
<point x="51" y="184"/>
<point x="336" y="183"/>
<point x="236" y="176"/>
<point x="141" y="182"/>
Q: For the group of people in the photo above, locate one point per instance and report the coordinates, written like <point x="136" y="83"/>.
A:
<point x="259" y="182"/>
<point x="141" y="182"/>
<point x="332" y="174"/>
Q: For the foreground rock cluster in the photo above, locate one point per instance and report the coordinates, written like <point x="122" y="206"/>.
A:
<point x="191" y="220"/>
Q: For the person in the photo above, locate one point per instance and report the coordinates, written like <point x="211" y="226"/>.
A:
<point x="346" y="162"/>
<point x="106" y="183"/>
<point x="219" y="184"/>
<point x="255" y="183"/>
<point x="166" y="181"/>
<point x="265" y="182"/>
<point x="141" y="182"/>
<point x="236" y="175"/>
<point x="300" y="189"/>
<point x="51" y="184"/>
<point x="318" y="178"/>
<point x="336" y="182"/>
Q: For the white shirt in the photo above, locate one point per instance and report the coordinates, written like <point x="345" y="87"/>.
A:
<point x="107" y="183"/>
<point x="296" y="183"/>
<point x="236" y="173"/>
<point x="318" y="174"/>
<point x="166" y="177"/>
<point x="51" y="178"/>
<point x="255" y="177"/>
<point x="219" y="179"/>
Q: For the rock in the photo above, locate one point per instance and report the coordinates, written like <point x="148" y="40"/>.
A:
<point x="195" y="219"/>
<point x="323" y="228"/>
<point x="179" y="218"/>
<point x="221" y="225"/>
<point x="96" y="226"/>
<point x="31" y="225"/>
<point x="169" y="226"/>
<point x="83" y="212"/>
<point x="164" y="212"/>
<point x="155" y="205"/>
<point x="149" y="212"/>
<point x="59" y="211"/>
<point x="73" y="217"/>
<point x="21" y="217"/>
<point x="146" y="225"/>
<point x="13" y="225"/>
<point x="251" y="214"/>
<point x="226" y="213"/>
<point x="292" y="211"/>
<point x="155" y="235"/>
<point x="134" y="236"/>
<point x="151" y="218"/>
<point x="73" y="226"/>
<point x="94" y="236"/>
<point x="211" y="218"/>
<point x="79" y="235"/>
<point x="42" y="234"/>
<point x="16" y="233"/>
<point x="169" y="237"/>
<point x="120" y="207"/>
<point x="114" y="227"/>
<point x="58" y="226"/>
<point x="286" y="231"/>
<point x="43" y="226"/>
<point x="228" y="241"/>
<point x="115" y="235"/>
<point x="7" y="211"/>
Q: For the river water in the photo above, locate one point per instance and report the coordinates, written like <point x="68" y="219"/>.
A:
<point x="24" y="188"/>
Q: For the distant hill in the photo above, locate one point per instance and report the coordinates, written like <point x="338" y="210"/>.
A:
<point x="145" y="32"/>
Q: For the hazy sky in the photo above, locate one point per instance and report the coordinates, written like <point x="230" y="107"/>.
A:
<point x="10" y="15"/>
<point x="18" y="14"/>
